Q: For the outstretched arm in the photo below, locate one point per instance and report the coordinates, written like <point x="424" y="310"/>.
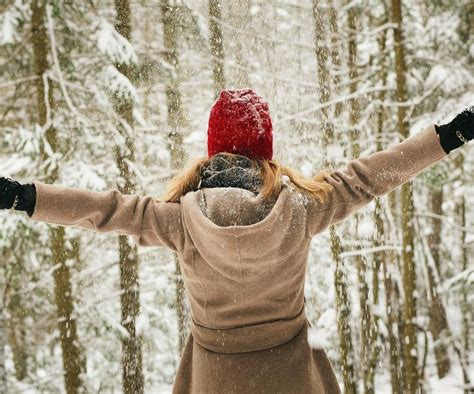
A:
<point x="150" y="223"/>
<point x="379" y="173"/>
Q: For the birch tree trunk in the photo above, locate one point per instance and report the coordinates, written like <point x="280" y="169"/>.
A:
<point x="217" y="45"/>
<point x="132" y="374"/>
<point x="410" y="354"/>
<point x="73" y="358"/>
<point x="176" y="123"/>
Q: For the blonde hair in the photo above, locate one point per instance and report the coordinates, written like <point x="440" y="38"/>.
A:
<point x="271" y="173"/>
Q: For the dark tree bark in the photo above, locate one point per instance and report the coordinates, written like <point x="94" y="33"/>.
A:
<point x="3" y="335"/>
<point x="466" y="32"/>
<point x="366" y="332"/>
<point x="346" y="349"/>
<point x="320" y="16"/>
<point x="336" y="61"/>
<point x="384" y="259"/>
<point x="132" y="373"/>
<point x="410" y="357"/>
<point x="176" y="124"/>
<point x="466" y="306"/>
<point x="73" y="358"/>
<point x="17" y="336"/>
<point x="438" y="323"/>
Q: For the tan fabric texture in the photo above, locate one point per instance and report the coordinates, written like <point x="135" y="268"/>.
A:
<point x="244" y="272"/>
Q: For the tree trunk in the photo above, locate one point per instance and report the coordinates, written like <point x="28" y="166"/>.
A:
<point x="466" y="32"/>
<point x="346" y="349"/>
<point x="18" y="336"/>
<point x="176" y="123"/>
<point x="392" y="306"/>
<point x="180" y="305"/>
<point x="383" y="259"/>
<point x="3" y="335"/>
<point x="466" y="306"/>
<point x="241" y="17"/>
<point x="366" y="327"/>
<point x="217" y="45"/>
<point x="73" y="358"/>
<point x="410" y="357"/>
<point x="438" y="323"/>
<point x="336" y="61"/>
<point x="322" y="56"/>
<point x="15" y="329"/>
<point x="132" y="373"/>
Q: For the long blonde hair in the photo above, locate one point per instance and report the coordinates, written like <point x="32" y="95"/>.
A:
<point x="271" y="173"/>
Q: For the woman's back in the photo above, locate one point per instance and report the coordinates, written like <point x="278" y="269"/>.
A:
<point x="239" y="275"/>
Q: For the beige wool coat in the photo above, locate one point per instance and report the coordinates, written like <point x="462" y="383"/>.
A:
<point x="244" y="264"/>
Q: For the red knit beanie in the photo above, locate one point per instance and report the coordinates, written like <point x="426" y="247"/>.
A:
<point x="240" y="123"/>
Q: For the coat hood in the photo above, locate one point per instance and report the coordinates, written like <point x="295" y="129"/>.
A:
<point x="239" y="234"/>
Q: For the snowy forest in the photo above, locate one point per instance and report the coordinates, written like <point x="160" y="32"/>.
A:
<point x="116" y="94"/>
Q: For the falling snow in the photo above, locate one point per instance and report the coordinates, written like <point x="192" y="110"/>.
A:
<point x="147" y="101"/>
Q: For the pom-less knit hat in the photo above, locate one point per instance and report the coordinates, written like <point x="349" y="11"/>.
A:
<point x="240" y="123"/>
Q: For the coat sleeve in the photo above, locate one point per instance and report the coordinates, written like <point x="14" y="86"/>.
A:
<point x="150" y="223"/>
<point x="368" y="177"/>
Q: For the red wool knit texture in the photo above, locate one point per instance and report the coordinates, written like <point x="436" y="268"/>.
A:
<point x="240" y="123"/>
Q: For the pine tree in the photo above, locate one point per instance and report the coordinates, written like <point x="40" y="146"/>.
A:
<point x="366" y="329"/>
<point x="438" y="323"/>
<point x="73" y="359"/>
<point x="176" y="124"/>
<point x="3" y="371"/>
<point x="132" y="373"/>
<point x="386" y="259"/>
<point x="340" y="280"/>
<point x="410" y="364"/>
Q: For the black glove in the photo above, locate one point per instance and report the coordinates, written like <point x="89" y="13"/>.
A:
<point x="457" y="132"/>
<point x="20" y="197"/>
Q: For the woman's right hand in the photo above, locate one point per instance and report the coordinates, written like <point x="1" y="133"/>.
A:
<point x="459" y="131"/>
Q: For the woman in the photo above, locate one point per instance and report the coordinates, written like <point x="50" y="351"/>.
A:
<point x="242" y="225"/>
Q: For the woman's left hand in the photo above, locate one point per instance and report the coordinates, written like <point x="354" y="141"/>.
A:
<point x="9" y="191"/>
<point x="14" y="195"/>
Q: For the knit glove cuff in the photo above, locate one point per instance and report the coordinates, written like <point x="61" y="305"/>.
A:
<point x="27" y="199"/>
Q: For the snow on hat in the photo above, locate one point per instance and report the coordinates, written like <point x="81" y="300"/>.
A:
<point x="240" y="123"/>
